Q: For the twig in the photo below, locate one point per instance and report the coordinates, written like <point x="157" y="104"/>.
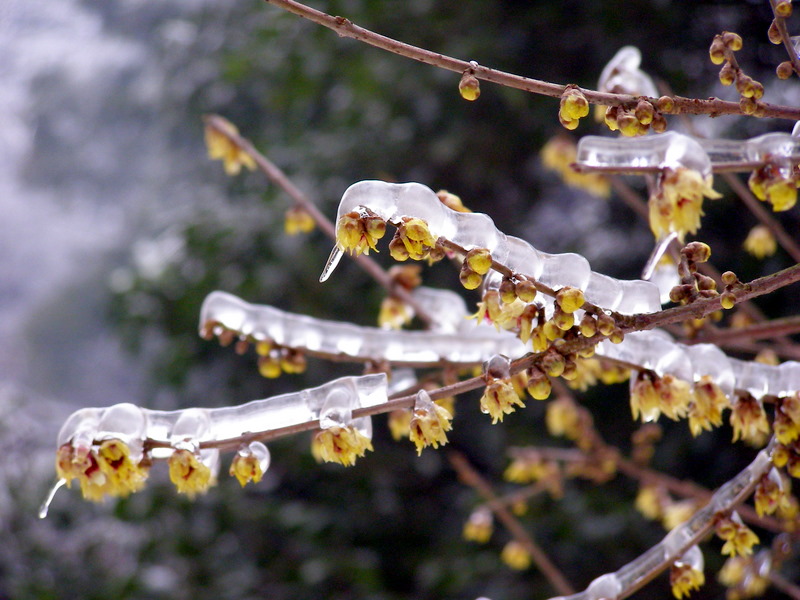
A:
<point x="278" y="177"/>
<point x="757" y="331"/>
<point x="780" y="24"/>
<point x="786" y="241"/>
<point x="470" y="476"/>
<point x="346" y="28"/>
<point x="787" y="587"/>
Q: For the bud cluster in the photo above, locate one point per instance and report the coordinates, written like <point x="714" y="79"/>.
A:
<point x="573" y="107"/>
<point x="750" y="91"/>
<point x="632" y="121"/>
<point x="693" y="284"/>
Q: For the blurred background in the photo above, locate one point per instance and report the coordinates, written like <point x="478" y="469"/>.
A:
<point x="115" y="226"/>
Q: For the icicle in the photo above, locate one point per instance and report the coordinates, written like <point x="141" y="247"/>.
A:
<point x="333" y="262"/>
<point x="45" y="507"/>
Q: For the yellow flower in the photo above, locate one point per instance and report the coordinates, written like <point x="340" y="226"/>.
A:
<point x="748" y="419"/>
<point x="499" y="399"/>
<point x="188" y="473"/>
<point x="760" y="242"/>
<point x="787" y="419"/>
<point x="677" y="513"/>
<point x="250" y="463"/>
<point x="708" y="402"/>
<point x="528" y="468"/>
<point x="587" y="371"/>
<point x="516" y="556"/>
<point x="678" y="204"/>
<point x="771" y="494"/>
<point x="684" y="578"/>
<point x="562" y="418"/>
<point x="357" y="232"/>
<point x="739" y="538"/>
<point x="558" y="155"/>
<point x="394" y="313"/>
<point x="644" y="398"/>
<point x="648" y="502"/>
<point x="429" y="423"/>
<point x="479" y="526"/>
<point x="399" y="423"/>
<point x="417" y="239"/>
<point x="340" y="444"/>
<point x="298" y="220"/>
<point x="674" y="396"/>
<point x="220" y="147"/>
<point x="105" y="471"/>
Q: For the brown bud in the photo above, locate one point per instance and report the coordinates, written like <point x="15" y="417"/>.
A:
<point x="659" y="124"/>
<point x="733" y="41"/>
<point x="727" y="74"/>
<point x="729" y="278"/>
<point x="773" y="34"/>
<point x="644" y="112"/>
<point x="717" y="51"/>
<point x="665" y="104"/>
<point x="784" y="70"/>
<point x="696" y="252"/>
<point x="747" y="105"/>
<point x="704" y="282"/>
<point x="783" y="9"/>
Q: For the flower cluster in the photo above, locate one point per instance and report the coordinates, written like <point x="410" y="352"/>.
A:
<point x="108" y="469"/>
<point x="573" y="107"/>
<point x="413" y="239"/>
<point x="358" y="232"/>
<point x="775" y="184"/>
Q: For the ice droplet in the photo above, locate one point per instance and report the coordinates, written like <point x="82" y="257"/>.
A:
<point x="45" y="507"/>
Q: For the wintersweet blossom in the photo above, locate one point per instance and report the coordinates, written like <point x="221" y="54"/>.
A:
<point x="760" y="242"/>
<point x="107" y="470"/>
<point x="357" y="232"/>
<point x="684" y="578"/>
<point x="705" y="409"/>
<point x="739" y="538"/>
<point x="220" y="147"/>
<point x="340" y="444"/>
<point x="500" y="399"/>
<point x="516" y="556"/>
<point x="479" y="526"/>
<point x="749" y="421"/>
<point x="429" y="423"/>
<point x="678" y="204"/>
<point x="189" y="474"/>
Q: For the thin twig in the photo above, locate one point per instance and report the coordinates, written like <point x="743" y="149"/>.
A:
<point x="346" y="28"/>
<point x="786" y="241"/>
<point x="780" y="24"/>
<point x="757" y="331"/>
<point x="278" y="177"/>
<point x="470" y="476"/>
<point x="789" y="588"/>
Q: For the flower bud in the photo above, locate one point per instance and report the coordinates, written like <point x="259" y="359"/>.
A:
<point x="479" y="260"/>
<point x="729" y="278"/>
<point x="469" y="87"/>
<point x="784" y="70"/>
<point x="665" y="104"/>
<point x="570" y="299"/>
<point x="747" y="105"/>
<point x="507" y="291"/>
<point x="732" y="40"/>
<point x="605" y="323"/>
<point x="588" y="325"/>
<point x="727" y="74"/>
<point x="728" y="300"/>
<point x="525" y="290"/>
<point x="717" y="51"/>
<point x="553" y="363"/>
<point x="773" y="34"/>
<point x="469" y="278"/>
<point x="696" y="252"/>
<point x="644" y="112"/>
<point x="659" y="124"/>
<point x="783" y="9"/>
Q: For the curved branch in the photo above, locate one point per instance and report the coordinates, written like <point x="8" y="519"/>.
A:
<point x="346" y="28"/>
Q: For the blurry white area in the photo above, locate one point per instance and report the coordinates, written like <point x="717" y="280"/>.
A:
<point x="89" y="169"/>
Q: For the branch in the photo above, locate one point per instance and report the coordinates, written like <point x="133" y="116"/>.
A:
<point x="346" y="28"/>
<point x="278" y="177"/>
<point x="780" y="24"/>
<point x="470" y="476"/>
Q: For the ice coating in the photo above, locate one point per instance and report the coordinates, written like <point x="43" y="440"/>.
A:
<point x="471" y="343"/>
<point x="678" y="544"/>
<point x="197" y="425"/>
<point x="623" y="75"/>
<point x="392" y="201"/>
<point x="658" y="151"/>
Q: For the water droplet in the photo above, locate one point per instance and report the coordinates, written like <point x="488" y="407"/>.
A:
<point x="51" y="494"/>
<point x="333" y="260"/>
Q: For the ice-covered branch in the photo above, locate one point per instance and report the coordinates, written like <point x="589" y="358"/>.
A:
<point x="634" y="575"/>
<point x="465" y="343"/>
